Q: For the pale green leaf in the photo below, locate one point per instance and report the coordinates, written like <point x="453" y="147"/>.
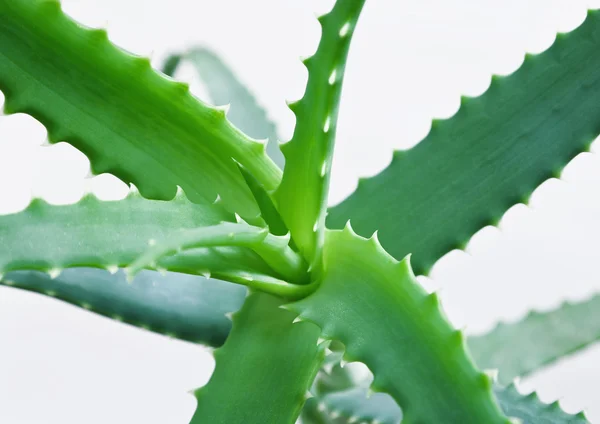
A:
<point x="539" y="339"/>
<point x="182" y="306"/>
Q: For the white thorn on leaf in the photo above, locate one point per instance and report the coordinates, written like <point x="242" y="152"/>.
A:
<point x="224" y="108"/>
<point x="321" y="407"/>
<point x="205" y="274"/>
<point x="353" y="419"/>
<point x="229" y="316"/>
<point x="492" y="373"/>
<point x="334" y="414"/>
<point x="344" y="30"/>
<point x="328" y="367"/>
<point x="112" y="269"/>
<point x="54" y="272"/>
<point x="217" y="200"/>
<point x="86" y="306"/>
<point x="333" y="77"/>
<point x="324" y="168"/>
<point x="327" y="124"/>
<point x="133" y="189"/>
<point x="238" y="219"/>
<point x="297" y="319"/>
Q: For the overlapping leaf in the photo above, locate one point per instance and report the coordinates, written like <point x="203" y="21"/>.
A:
<point x="225" y="88"/>
<point x="127" y="118"/>
<point x="186" y="307"/>
<point x="112" y="234"/>
<point x="374" y="305"/>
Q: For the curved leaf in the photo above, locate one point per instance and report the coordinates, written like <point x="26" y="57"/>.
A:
<point x="112" y="234"/>
<point x="263" y="370"/>
<point x="182" y="306"/>
<point x="127" y="118"/>
<point x="492" y="154"/>
<point x="274" y="250"/>
<point x="302" y="195"/>
<point x="538" y="339"/>
<point x="374" y="305"/>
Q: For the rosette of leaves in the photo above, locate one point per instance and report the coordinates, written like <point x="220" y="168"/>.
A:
<point x="227" y="240"/>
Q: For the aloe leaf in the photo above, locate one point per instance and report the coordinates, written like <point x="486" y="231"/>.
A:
<point x="263" y="370"/>
<point x="374" y="305"/>
<point x="225" y="88"/>
<point x="274" y="250"/>
<point x="302" y="195"/>
<point x="490" y="155"/>
<point x="93" y="233"/>
<point x="540" y="338"/>
<point x="353" y="406"/>
<point x="530" y="410"/>
<point x="268" y="211"/>
<point x="182" y="306"/>
<point x="128" y="119"/>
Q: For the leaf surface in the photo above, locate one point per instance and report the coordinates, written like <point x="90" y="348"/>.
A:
<point x="533" y="411"/>
<point x="263" y="370"/>
<point x="112" y="234"/>
<point x="374" y="305"/>
<point x="182" y="306"/>
<point x="127" y="118"/>
<point x="489" y="156"/>
<point x="353" y="406"/>
<point x="540" y="338"/>
<point x="225" y="88"/>
<point x="302" y="195"/>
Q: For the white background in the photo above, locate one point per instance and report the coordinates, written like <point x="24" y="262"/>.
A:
<point x="409" y="62"/>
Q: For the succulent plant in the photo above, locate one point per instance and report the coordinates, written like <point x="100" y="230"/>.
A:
<point x="227" y="241"/>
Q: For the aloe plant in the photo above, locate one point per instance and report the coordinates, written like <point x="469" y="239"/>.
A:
<point x="217" y="244"/>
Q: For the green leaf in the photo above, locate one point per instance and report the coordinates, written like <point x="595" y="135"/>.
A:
<point x="356" y="404"/>
<point x="263" y="370"/>
<point x="302" y="195"/>
<point x="127" y="118"/>
<point x="492" y="154"/>
<point x="225" y="88"/>
<point x="353" y="406"/>
<point x="274" y="250"/>
<point x="182" y="306"/>
<point x="531" y="410"/>
<point x="374" y="305"/>
<point x="538" y="339"/>
<point x="112" y="234"/>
